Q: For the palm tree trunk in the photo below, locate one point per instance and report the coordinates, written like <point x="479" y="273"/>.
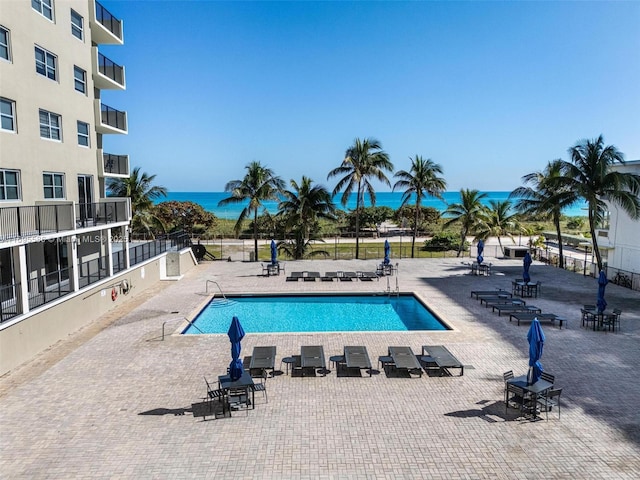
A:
<point x="255" y="235"/>
<point x="592" y="229"/>
<point x="501" y="247"/>
<point x="556" y="222"/>
<point x="358" y="202"/>
<point x="415" y="229"/>
<point x="463" y="237"/>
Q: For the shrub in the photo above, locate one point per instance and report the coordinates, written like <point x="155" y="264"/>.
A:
<point x="443" y="241"/>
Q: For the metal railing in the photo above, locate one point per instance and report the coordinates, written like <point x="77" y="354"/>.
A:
<point x="174" y="241"/>
<point x="92" y="271"/>
<point x="110" y="69"/>
<point x="119" y="261"/>
<point x="48" y="288"/>
<point x="108" y="21"/>
<point x="8" y="301"/>
<point x="26" y="221"/>
<point x="116" y="164"/>
<point x="112" y="117"/>
<point x="100" y="213"/>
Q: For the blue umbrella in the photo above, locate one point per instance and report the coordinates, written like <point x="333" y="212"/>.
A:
<point x="236" y="334"/>
<point x="387" y="252"/>
<point x="527" y="263"/>
<point x="602" y="283"/>
<point x="535" y="336"/>
<point x="480" y="250"/>
<point x="274" y="253"/>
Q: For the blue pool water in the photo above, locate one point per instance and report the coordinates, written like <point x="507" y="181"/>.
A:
<point x="315" y="313"/>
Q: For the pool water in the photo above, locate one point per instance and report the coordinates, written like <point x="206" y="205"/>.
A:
<point x="316" y="313"/>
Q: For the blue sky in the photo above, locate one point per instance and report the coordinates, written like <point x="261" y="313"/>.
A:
<point x="489" y="90"/>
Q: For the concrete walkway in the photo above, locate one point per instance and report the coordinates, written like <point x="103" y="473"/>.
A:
<point x="116" y="401"/>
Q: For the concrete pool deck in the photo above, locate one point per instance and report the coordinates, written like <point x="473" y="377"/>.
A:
<point x="114" y="401"/>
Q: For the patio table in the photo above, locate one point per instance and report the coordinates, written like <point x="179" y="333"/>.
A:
<point x="534" y="390"/>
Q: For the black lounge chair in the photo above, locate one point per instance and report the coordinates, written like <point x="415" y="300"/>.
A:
<point x="481" y="293"/>
<point x="515" y="308"/>
<point x="347" y="276"/>
<point x="311" y="276"/>
<point x="404" y="359"/>
<point x="442" y="358"/>
<point x="367" y="276"/>
<point x="312" y="359"/>
<point x="295" y="276"/>
<point x="357" y="357"/>
<point x="542" y="317"/>
<point x="491" y="301"/>
<point x="262" y="360"/>
<point x="329" y="276"/>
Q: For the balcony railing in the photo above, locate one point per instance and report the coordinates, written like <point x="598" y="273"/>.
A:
<point x="48" y="288"/>
<point x="119" y="261"/>
<point x="113" y="118"/>
<point x="35" y="220"/>
<point x="108" y="21"/>
<point x="92" y="271"/>
<point x="8" y="303"/>
<point x="102" y="213"/>
<point x="174" y="241"/>
<point x="115" y="164"/>
<point x="111" y="69"/>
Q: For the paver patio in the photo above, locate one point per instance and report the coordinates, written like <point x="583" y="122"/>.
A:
<point x="116" y="402"/>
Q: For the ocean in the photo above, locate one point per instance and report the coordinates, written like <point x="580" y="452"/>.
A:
<point x="209" y="201"/>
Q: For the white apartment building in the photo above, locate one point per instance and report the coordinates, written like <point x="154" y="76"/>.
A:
<point x="65" y="256"/>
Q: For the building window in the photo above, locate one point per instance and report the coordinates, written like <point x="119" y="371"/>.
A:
<point x="80" y="79"/>
<point x="83" y="133"/>
<point x="9" y="184"/>
<point x="50" y="125"/>
<point x="5" y="51"/>
<point x="77" y="25"/>
<point x="53" y="185"/>
<point x="46" y="63"/>
<point x="8" y="114"/>
<point x="44" y="7"/>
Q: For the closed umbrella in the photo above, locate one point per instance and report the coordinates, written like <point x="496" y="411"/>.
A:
<point x="387" y="252"/>
<point x="480" y="250"/>
<point x="274" y="253"/>
<point x="236" y="334"/>
<point x="535" y="336"/>
<point x="602" y="283"/>
<point x="526" y="261"/>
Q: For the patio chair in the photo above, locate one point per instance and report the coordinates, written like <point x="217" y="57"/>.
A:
<point x="548" y="377"/>
<point x="515" y="397"/>
<point x="506" y="377"/>
<point x="616" y="318"/>
<point x="238" y="399"/>
<point x="550" y="400"/>
<point x="215" y="395"/>
<point x="260" y="385"/>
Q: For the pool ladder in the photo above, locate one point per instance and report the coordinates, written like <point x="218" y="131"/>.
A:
<point x="214" y="302"/>
<point x="397" y="290"/>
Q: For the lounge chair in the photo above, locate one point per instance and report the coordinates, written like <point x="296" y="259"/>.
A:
<point x="357" y="357"/>
<point x="367" y="276"/>
<point x="497" y="291"/>
<point x="312" y="358"/>
<point x="404" y="359"/>
<point x="295" y="276"/>
<point x="491" y="301"/>
<point x="262" y="359"/>
<point x="442" y="358"/>
<point x="347" y="276"/>
<point x="515" y="308"/>
<point x="311" y="276"/>
<point x="542" y="317"/>
<point x="329" y="276"/>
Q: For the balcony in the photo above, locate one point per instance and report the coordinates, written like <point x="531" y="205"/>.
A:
<point x="105" y="28"/>
<point x="19" y="224"/>
<point x="113" y="166"/>
<point x="109" y="120"/>
<point x="107" y="75"/>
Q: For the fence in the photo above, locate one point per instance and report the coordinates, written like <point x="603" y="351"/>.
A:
<point x="174" y="241"/>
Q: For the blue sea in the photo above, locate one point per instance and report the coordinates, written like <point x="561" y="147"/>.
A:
<point x="209" y="201"/>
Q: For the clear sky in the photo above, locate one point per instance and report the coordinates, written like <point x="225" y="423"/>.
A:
<point x="489" y="90"/>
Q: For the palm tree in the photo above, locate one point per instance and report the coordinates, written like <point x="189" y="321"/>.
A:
<point x="140" y="189"/>
<point x="543" y="196"/>
<point x="258" y="185"/>
<point x="467" y="212"/>
<point x="590" y="176"/>
<point x="305" y="204"/>
<point x="364" y="160"/>
<point x="497" y="221"/>
<point x="421" y="180"/>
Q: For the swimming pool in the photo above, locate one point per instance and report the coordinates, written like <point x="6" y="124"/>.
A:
<point x="316" y="313"/>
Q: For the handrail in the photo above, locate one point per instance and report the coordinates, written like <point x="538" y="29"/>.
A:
<point x="217" y="285"/>
<point x="190" y="322"/>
